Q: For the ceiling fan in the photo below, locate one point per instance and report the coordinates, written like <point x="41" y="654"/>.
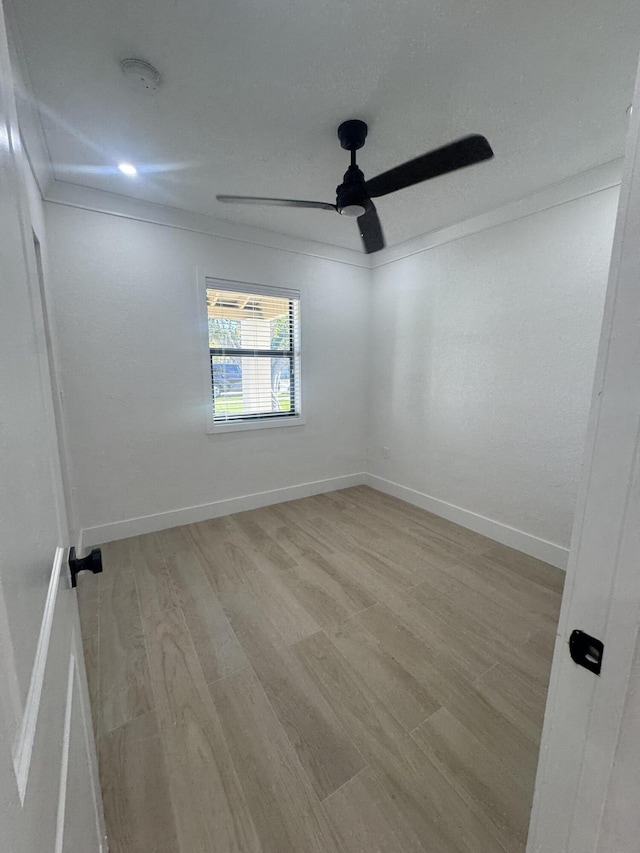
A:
<point x="354" y="193"/>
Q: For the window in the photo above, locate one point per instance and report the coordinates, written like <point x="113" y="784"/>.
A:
<point x="254" y="350"/>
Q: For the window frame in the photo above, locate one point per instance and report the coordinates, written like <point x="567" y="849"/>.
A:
<point x="251" y="422"/>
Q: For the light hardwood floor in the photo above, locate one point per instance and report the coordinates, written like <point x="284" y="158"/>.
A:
<point x="340" y="674"/>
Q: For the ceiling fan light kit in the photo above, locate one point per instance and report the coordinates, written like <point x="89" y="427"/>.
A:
<point x="354" y="194"/>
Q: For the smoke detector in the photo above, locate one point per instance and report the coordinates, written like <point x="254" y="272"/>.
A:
<point x="141" y="74"/>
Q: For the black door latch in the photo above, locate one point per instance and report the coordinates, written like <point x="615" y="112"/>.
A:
<point x="91" y="563"/>
<point x="586" y="651"/>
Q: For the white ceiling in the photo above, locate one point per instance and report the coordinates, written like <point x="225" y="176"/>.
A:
<point x="253" y="92"/>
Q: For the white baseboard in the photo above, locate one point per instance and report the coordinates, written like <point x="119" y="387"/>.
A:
<point x="551" y="553"/>
<point x="91" y="536"/>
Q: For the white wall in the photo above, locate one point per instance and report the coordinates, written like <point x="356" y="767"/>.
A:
<point x="471" y="360"/>
<point x="130" y="363"/>
<point x="483" y="354"/>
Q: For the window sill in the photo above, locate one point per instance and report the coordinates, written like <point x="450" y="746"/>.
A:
<point x="241" y="426"/>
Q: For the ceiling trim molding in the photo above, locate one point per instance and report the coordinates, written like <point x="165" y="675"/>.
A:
<point x="586" y="183"/>
<point x="99" y="201"/>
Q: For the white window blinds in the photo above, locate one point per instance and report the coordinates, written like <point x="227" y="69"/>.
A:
<point x="254" y="347"/>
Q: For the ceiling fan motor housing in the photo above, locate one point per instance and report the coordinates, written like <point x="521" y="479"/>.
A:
<point x="351" y="196"/>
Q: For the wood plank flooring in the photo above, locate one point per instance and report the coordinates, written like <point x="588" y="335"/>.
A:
<point x="340" y="674"/>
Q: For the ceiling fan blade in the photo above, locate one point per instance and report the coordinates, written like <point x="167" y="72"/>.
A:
<point x="278" y="202"/>
<point x="371" y="230"/>
<point x="463" y="152"/>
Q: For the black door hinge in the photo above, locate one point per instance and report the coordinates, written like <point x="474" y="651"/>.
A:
<point x="91" y="563"/>
<point x="586" y="651"/>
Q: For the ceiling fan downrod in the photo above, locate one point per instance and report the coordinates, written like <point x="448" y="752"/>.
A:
<point x="351" y="196"/>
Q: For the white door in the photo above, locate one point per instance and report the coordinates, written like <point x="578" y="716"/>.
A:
<point x="587" y="796"/>
<point x="49" y="799"/>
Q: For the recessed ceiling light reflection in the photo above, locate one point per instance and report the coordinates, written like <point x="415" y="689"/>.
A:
<point x="128" y="169"/>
